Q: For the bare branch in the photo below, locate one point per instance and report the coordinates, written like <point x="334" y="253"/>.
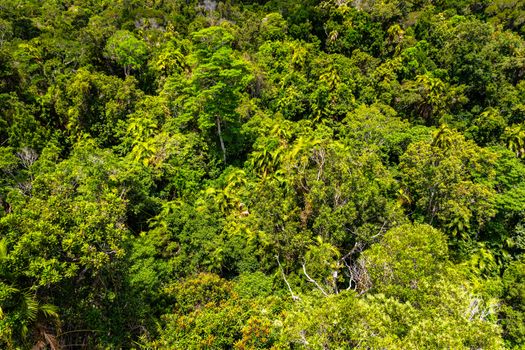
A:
<point x="358" y="276"/>
<point x="358" y="246"/>
<point x="27" y="157"/>
<point x="294" y="297"/>
<point x="310" y="279"/>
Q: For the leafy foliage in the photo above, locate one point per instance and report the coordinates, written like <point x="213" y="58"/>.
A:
<point x="262" y="174"/>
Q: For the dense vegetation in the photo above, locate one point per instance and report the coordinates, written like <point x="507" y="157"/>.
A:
<point x="183" y="174"/>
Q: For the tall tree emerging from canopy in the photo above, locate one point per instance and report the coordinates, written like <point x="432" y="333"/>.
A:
<point x="126" y="50"/>
<point x="215" y="87"/>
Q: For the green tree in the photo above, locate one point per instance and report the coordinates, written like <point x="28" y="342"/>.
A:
<point x="513" y="311"/>
<point x="211" y="95"/>
<point x="67" y="237"/>
<point x="449" y="182"/>
<point x="515" y="137"/>
<point x="126" y="50"/>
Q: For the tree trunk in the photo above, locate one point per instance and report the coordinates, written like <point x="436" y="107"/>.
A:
<point x="219" y="132"/>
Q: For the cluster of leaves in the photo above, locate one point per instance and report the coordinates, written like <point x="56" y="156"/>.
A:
<point x="245" y="174"/>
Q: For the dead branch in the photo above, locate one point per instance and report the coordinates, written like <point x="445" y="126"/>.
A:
<point x="294" y="297"/>
<point x="310" y="279"/>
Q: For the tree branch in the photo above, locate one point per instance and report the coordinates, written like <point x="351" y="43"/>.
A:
<point x="219" y="132"/>
<point x="310" y="279"/>
<point x="294" y="297"/>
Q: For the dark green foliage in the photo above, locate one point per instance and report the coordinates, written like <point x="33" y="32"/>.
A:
<point x="317" y="174"/>
<point x="514" y="298"/>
